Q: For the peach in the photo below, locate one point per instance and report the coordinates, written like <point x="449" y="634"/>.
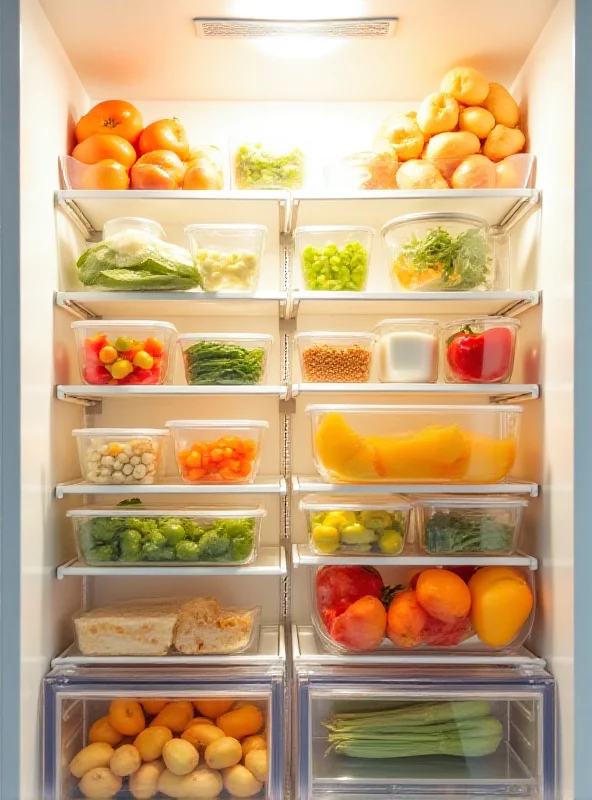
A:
<point x="465" y="84"/>
<point x="443" y="594"/>
<point x="475" y="172"/>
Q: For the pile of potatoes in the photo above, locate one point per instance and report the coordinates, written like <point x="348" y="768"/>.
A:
<point x="176" y="753"/>
<point x="460" y="137"/>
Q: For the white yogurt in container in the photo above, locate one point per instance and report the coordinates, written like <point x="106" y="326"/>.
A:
<point x="407" y="350"/>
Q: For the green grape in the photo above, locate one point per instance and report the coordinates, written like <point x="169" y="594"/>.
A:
<point x="333" y="269"/>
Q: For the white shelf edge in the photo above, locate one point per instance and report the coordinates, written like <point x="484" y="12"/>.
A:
<point x="321" y="658"/>
<point x="269" y="561"/>
<point x="303" y="556"/>
<point x="264" y="485"/>
<point x="502" y="391"/>
<point x="271" y="648"/>
<point x="82" y="392"/>
<point x="316" y="484"/>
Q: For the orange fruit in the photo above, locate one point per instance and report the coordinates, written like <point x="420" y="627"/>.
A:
<point x="165" y="134"/>
<point x="111" y="117"/>
<point x="100" y="146"/>
<point x="159" y="169"/>
<point x="106" y="174"/>
<point x="443" y="594"/>
<point x="127" y="716"/>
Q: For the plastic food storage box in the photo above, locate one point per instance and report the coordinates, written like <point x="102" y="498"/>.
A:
<point x="228" y="257"/>
<point x="218" y="451"/>
<point x="377" y="525"/>
<point x="335" y="357"/>
<point x="359" y="609"/>
<point x="414" y="444"/>
<point x="479" y="350"/>
<point x="112" y="352"/>
<point x="441" y="252"/>
<point x="75" y="698"/>
<point x="128" y="456"/>
<point x="334" y="258"/>
<point x="469" y="525"/>
<point x="407" y="350"/>
<point x="272" y="165"/>
<point x="361" y="171"/>
<point x="225" y="359"/>
<point x="117" y="536"/>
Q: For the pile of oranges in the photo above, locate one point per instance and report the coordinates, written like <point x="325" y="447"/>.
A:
<point x="121" y="153"/>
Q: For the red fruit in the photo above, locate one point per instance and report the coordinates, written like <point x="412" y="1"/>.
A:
<point x="362" y="626"/>
<point x="142" y="377"/>
<point x="338" y="587"/>
<point x="413" y="581"/>
<point x="96" y="343"/>
<point x="445" y="634"/>
<point x="97" y="375"/>
<point x="153" y="347"/>
<point x="480" y="357"/>
<point x="466" y="573"/>
<point x="406" y="620"/>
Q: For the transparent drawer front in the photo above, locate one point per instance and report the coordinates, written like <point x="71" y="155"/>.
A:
<point x="161" y="734"/>
<point x="454" y="735"/>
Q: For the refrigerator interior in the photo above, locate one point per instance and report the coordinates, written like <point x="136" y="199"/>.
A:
<point x="69" y="63"/>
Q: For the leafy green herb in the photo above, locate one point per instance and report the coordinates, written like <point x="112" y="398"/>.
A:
<point x="467" y="532"/>
<point x="216" y="363"/>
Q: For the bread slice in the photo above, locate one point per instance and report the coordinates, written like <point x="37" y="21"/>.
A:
<point x="203" y="626"/>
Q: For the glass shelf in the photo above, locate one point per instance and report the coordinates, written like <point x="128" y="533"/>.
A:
<point x="263" y="485"/>
<point x="495" y="393"/>
<point x="316" y="484"/>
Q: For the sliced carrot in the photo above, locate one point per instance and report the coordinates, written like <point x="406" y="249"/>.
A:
<point x="216" y="454"/>
<point x="194" y="460"/>
<point x="196" y="474"/>
<point x="182" y="455"/>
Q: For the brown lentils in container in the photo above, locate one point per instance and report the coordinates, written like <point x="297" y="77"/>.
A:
<point x="324" y="363"/>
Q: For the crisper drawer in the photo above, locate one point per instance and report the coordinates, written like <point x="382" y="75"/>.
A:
<point x="426" y="731"/>
<point x="153" y="732"/>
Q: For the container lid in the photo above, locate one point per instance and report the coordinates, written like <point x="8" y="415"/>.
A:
<point x="120" y="432"/>
<point x="329" y="228"/>
<point x="385" y="502"/>
<point x="227" y="226"/>
<point x="357" y="409"/>
<point x="450" y="216"/>
<point x="490" y="322"/>
<point x="335" y="335"/>
<point x="406" y="321"/>
<point x="470" y="501"/>
<point x="214" y="337"/>
<point x="217" y="423"/>
<point x="141" y="511"/>
<point x="126" y="323"/>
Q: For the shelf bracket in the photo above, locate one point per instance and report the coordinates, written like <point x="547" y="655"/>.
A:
<point x="500" y="399"/>
<point x="80" y="220"/>
<point x="94" y="403"/>
<point x="518" y="306"/>
<point x="523" y="208"/>
<point x="76" y="309"/>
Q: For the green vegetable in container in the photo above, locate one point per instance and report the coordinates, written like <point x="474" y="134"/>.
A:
<point x="334" y="269"/>
<point x="259" y="168"/>
<point x="357" y="531"/>
<point x="223" y="364"/>
<point x="467" y="532"/>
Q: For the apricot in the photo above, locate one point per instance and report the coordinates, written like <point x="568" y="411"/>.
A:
<point x="93" y="755"/>
<point x="125" y="761"/>
<point x="406" y="619"/>
<point x="103" y="731"/>
<point x="437" y="113"/>
<point x="510" y="174"/>
<point x="175" y="715"/>
<point x="502" y="105"/>
<point x="202" y="735"/>
<point x="106" y="174"/>
<point x="153" y="707"/>
<point x="159" y="169"/>
<point x="400" y="134"/>
<point x="164" y="134"/>
<point x="256" y="763"/>
<point x="127" y="716"/>
<point x="143" y="784"/>
<point x="100" y="146"/>
<point x="443" y="595"/>
<point x="475" y="172"/>
<point x="503" y="142"/>
<point x="212" y="707"/>
<point x="446" y="150"/>
<point x="100" y="783"/>
<point x="151" y="741"/>
<point x="180" y="756"/>
<point x="465" y="84"/>
<point x="416" y="174"/>
<point x="476" y="120"/>
<point x="241" y="722"/>
<point x="201" y="174"/>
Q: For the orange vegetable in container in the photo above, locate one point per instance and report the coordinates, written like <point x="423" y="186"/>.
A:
<point x="406" y="620"/>
<point x="226" y="459"/>
<point x="241" y="722"/>
<point x="443" y="594"/>
<point x="165" y="134"/>
<point x="501" y="602"/>
<point x="115" y="117"/>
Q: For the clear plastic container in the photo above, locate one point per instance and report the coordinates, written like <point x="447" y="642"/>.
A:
<point x="377" y="525"/>
<point x="469" y="609"/>
<point x="219" y="359"/>
<point x="118" y="536"/>
<point x="153" y="627"/>
<point x="441" y="252"/>
<point x="361" y="171"/>
<point x="407" y="350"/>
<point x="124" y="353"/>
<point x="414" y="444"/>
<point x="335" y="357"/>
<point x="469" y="525"/>
<point x="218" y="451"/>
<point x="228" y="257"/>
<point x="334" y="258"/>
<point x="479" y="350"/>
<point x="272" y="165"/>
<point x="127" y="456"/>
<point x="113" y="227"/>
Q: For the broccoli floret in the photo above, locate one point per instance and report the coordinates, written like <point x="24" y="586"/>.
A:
<point x="236" y="527"/>
<point x="151" y="552"/>
<point x="167" y="554"/>
<point x="102" y="552"/>
<point x="144" y="526"/>
<point x="172" y="530"/>
<point x="192" y="530"/>
<point x="213" y="547"/>
<point x="131" y="545"/>
<point x="156" y="538"/>
<point x="187" y="551"/>
<point x="104" y="529"/>
<point x="241" y="547"/>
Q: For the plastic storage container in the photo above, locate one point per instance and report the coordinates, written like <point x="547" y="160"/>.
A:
<point x="441" y="252"/>
<point x="335" y="357"/>
<point x="272" y="165"/>
<point x="360" y="171"/>
<point x="414" y="444"/>
<point x="407" y="350"/>
<point x="334" y="258"/>
<point x="76" y="698"/>
<point x="127" y="456"/>
<point x="119" y="353"/>
<point x="512" y="709"/>
<point x="219" y="359"/>
<point x="118" y="536"/>
<point x="479" y="350"/>
<point x="228" y="257"/>
<point x="366" y="524"/>
<point x="218" y="451"/>
<point x="469" y="525"/>
<point x="359" y="609"/>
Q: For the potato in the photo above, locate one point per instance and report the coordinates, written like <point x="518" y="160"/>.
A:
<point x="417" y="174"/>
<point x="465" y="84"/>
<point x="175" y="715"/>
<point x="503" y="142"/>
<point x="242" y="721"/>
<point x="103" y="731"/>
<point x="151" y="741"/>
<point x="180" y="756"/>
<point x="476" y="120"/>
<point x="400" y="134"/>
<point x="475" y="172"/>
<point x="223" y="753"/>
<point x="446" y="150"/>
<point x="502" y="105"/>
<point x="239" y="782"/>
<point x="510" y="173"/>
<point x="125" y="761"/>
<point x="201" y="783"/>
<point x="256" y="762"/>
<point x="256" y="742"/>
<point x="202" y="735"/>
<point x="437" y="113"/>
<point x="212" y="708"/>
<point x="100" y="783"/>
<point x="143" y="784"/>
<point x="127" y="716"/>
<point x="93" y="755"/>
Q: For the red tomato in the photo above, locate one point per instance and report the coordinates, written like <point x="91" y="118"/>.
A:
<point x="480" y="357"/>
<point x="340" y="586"/>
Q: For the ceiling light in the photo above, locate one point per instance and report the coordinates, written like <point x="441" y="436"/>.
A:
<point x="234" y="28"/>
